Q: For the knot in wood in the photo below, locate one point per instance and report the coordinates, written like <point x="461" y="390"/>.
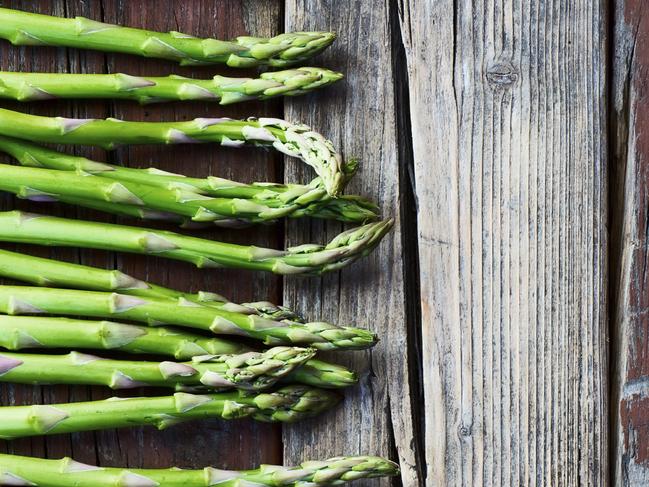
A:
<point x="464" y="431"/>
<point x="502" y="74"/>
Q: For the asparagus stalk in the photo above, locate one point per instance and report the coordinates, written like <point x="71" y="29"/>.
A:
<point x="55" y="273"/>
<point x="312" y="259"/>
<point x="16" y="470"/>
<point x="254" y="371"/>
<point x="288" y="404"/>
<point x="29" y="332"/>
<point x="150" y="201"/>
<point x="294" y="140"/>
<point x="21" y="300"/>
<point x="23" y="28"/>
<point x="44" y="86"/>
<point x="296" y="200"/>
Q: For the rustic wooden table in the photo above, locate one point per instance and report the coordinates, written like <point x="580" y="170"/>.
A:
<point x="509" y="139"/>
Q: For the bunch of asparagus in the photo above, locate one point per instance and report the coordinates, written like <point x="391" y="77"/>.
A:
<point x="209" y="371"/>
<point x="217" y="379"/>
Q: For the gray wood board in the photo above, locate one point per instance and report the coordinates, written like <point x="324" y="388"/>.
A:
<point x="360" y="116"/>
<point x="508" y="110"/>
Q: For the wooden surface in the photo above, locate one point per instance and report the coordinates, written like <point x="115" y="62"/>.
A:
<point x="509" y="139"/>
<point x="508" y="110"/>
<point x="379" y="415"/>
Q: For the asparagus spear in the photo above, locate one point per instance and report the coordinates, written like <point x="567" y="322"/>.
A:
<point x="297" y="200"/>
<point x="347" y="247"/>
<point x="253" y="371"/>
<point x="43" y="86"/>
<point x="23" y="28"/>
<point x="28" y="332"/>
<point x="20" y="300"/>
<point x="142" y="200"/>
<point x="55" y="273"/>
<point x="15" y="470"/>
<point x="294" y="140"/>
<point x="288" y="404"/>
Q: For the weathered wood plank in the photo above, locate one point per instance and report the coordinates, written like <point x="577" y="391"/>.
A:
<point x="631" y="324"/>
<point x="359" y="115"/>
<point x="507" y="103"/>
<point x="190" y="445"/>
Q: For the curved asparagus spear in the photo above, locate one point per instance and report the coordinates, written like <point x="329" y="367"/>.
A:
<point x="23" y="28"/>
<point x="294" y="140"/>
<point x="15" y="470"/>
<point x="29" y="332"/>
<point x="347" y="247"/>
<point x="42" y="86"/>
<point x="254" y="371"/>
<point x="20" y="300"/>
<point x="288" y="404"/>
<point x="150" y="201"/>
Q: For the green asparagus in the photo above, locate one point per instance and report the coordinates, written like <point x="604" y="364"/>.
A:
<point x="21" y="300"/>
<point x="55" y="273"/>
<point x="147" y="89"/>
<point x="29" y="332"/>
<point x="288" y="404"/>
<point x="145" y="201"/>
<point x="33" y="155"/>
<point x="16" y="226"/>
<point x="296" y="200"/>
<point x="28" y="29"/>
<point x="294" y="140"/>
<point x="254" y="371"/>
<point x="15" y="470"/>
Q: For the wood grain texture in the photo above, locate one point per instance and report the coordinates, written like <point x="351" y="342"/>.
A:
<point x="631" y="325"/>
<point x="194" y="444"/>
<point x="508" y="110"/>
<point x="359" y="116"/>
